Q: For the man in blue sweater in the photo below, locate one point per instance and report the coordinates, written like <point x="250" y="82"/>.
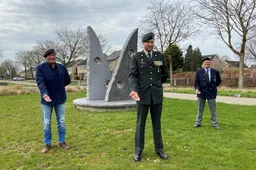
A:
<point x="51" y="78"/>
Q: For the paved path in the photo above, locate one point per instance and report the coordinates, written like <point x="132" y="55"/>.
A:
<point x="222" y="99"/>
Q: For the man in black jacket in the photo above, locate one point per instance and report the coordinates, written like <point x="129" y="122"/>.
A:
<point x="206" y="83"/>
<point x="147" y="74"/>
<point x="51" y="78"/>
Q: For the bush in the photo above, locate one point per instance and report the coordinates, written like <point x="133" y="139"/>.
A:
<point x="16" y="90"/>
<point x="73" y="89"/>
<point x="3" y="84"/>
<point x="20" y="89"/>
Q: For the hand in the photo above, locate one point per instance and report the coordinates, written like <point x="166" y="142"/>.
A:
<point x="47" y="98"/>
<point x="197" y="91"/>
<point x="134" y="95"/>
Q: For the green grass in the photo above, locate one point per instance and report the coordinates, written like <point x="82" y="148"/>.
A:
<point x="251" y="93"/>
<point x="106" y="140"/>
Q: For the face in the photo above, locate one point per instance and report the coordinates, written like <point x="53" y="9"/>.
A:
<point x="207" y="64"/>
<point x="148" y="45"/>
<point x="50" y="59"/>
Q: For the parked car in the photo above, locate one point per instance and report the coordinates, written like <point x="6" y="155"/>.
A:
<point x="18" y="79"/>
<point x="1" y="78"/>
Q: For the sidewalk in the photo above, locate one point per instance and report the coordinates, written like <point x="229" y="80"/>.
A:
<point x="222" y="99"/>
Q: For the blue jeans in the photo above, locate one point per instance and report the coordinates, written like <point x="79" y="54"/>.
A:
<point x="47" y="117"/>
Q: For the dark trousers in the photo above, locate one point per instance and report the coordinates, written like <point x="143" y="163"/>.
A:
<point x="142" y="112"/>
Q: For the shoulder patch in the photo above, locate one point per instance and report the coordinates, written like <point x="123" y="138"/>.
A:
<point x="140" y="53"/>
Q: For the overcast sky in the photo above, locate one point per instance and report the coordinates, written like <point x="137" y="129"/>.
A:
<point x="24" y="22"/>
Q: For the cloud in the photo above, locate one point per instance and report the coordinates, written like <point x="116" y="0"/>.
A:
<point x="24" y="22"/>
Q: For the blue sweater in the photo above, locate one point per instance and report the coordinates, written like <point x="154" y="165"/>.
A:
<point x="51" y="83"/>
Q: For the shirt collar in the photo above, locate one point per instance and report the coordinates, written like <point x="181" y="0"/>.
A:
<point x="51" y="66"/>
<point x="207" y="68"/>
<point x="151" y="52"/>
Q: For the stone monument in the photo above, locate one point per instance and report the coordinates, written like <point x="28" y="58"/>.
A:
<point x="107" y="91"/>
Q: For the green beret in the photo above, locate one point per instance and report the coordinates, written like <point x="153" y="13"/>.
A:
<point x="148" y="36"/>
<point x="49" y="52"/>
<point x="206" y="58"/>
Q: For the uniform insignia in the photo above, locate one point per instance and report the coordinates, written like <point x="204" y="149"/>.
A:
<point x="214" y="79"/>
<point x="141" y="61"/>
<point x="158" y="63"/>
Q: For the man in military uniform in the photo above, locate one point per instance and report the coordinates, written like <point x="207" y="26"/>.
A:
<point x="147" y="74"/>
<point x="206" y="83"/>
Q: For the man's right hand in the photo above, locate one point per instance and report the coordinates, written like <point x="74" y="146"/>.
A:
<point x="47" y="98"/>
<point x="134" y="95"/>
<point x="197" y="91"/>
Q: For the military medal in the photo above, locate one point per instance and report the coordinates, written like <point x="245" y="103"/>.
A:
<point x="158" y="63"/>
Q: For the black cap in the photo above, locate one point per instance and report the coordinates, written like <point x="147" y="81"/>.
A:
<point x="49" y="52"/>
<point x="206" y="58"/>
<point x="148" y="36"/>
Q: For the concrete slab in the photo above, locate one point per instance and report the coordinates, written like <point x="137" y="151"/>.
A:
<point x="222" y="99"/>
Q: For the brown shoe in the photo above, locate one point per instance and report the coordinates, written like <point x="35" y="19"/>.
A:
<point x="64" y="145"/>
<point x="46" y="149"/>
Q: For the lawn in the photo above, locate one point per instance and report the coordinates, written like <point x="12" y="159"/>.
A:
<point x="105" y="140"/>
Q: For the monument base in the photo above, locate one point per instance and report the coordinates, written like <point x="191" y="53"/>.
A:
<point x="102" y="106"/>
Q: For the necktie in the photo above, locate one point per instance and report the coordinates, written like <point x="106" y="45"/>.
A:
<point x="207" y="72"/>
<point x="149" y="56"/>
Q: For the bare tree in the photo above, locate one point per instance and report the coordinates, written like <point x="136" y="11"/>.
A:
<point x="29" y="60"/>
<point x="106" y="48"/>
<point x="31" y="63"/>
<point x="69" y="45"/>
<point x="251" y="49"/>
<point x="231" y="18"/>
<point x="37" y="56"/>
<point x="21" y="58"/>
<point x="42" y="46"/>
<point x="9" y="68"/>
<point x="72" y="44"/>
<point x="172" y="22"/>
<point x="39" y="50"/>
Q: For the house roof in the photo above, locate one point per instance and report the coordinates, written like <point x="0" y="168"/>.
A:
<point x="253" y="66"/>
<point x="114" y="55"/>
<point x="235" y="63"/>
<point x="83" y="62"/>
<point x="76" y="62"/>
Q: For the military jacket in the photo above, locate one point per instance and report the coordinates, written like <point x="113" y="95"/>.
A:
<point x="146" y="77"/>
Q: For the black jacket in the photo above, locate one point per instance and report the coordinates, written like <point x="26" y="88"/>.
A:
<point x="208" y="89"/>
<point x="55" y="88"/>
<point x="147" y="76"/>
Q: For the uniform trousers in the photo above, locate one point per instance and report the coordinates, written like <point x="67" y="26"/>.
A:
<point x="142" y="112"/>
